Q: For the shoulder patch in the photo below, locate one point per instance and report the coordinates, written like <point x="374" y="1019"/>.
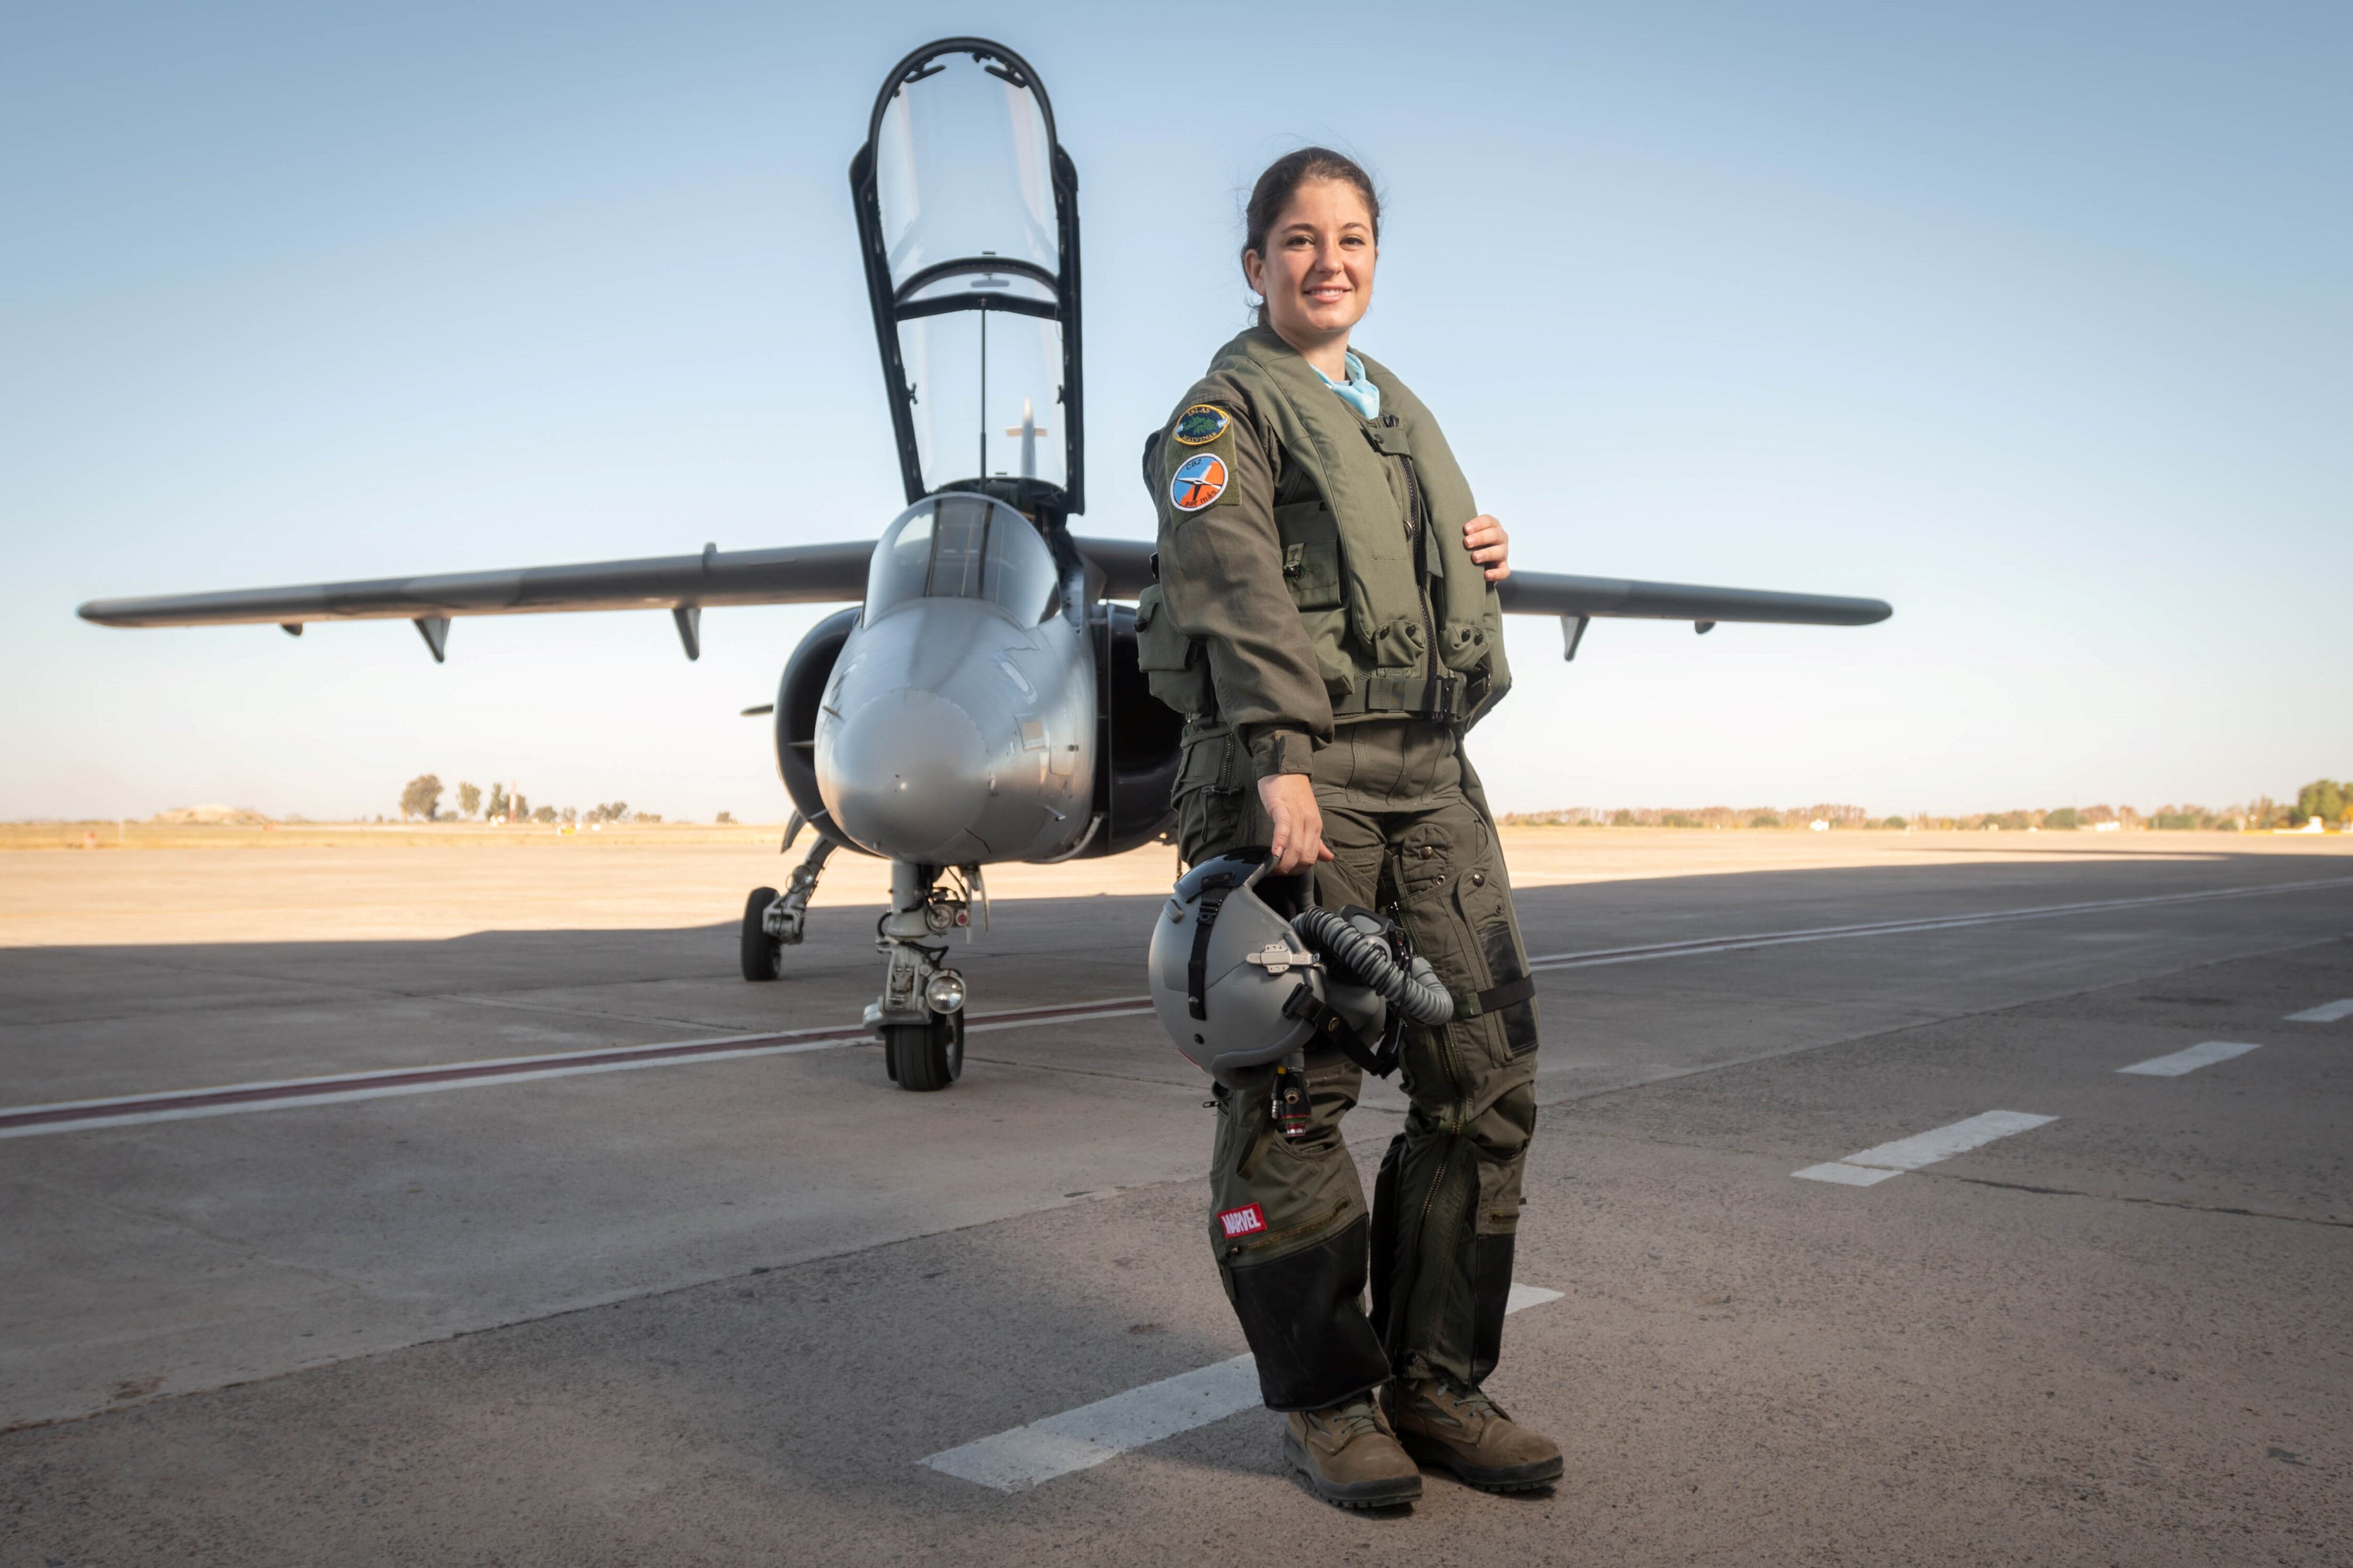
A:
<point x="1198" y="480"/>
<point x="1201" y="425"/>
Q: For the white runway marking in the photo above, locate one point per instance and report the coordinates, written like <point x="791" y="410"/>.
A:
<point x="2327" y="1013"/>
<point x="2202" y="1055"/>
<point x="1078" y="1439"/>
<point x="1844" y="1174"/>
<point x="1882" y="1161"/>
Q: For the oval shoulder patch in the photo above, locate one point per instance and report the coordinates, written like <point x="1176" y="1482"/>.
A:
<point x="1198" y="480"/>
<point x="1201" y="425"/>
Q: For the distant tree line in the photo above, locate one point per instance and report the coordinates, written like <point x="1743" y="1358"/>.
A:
<point x="421" y="798"/>
<point x="2328" y="800"/>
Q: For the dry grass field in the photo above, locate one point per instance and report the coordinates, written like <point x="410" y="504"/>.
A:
<point x="150" y="884"/>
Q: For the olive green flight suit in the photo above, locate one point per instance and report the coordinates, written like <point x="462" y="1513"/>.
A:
<point x="1321" y="615"/>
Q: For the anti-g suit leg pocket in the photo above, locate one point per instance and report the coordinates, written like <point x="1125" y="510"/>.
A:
<point x="1509" y="993"/>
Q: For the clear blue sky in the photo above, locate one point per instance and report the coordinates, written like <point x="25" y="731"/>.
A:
<point x="2033" y="319"/>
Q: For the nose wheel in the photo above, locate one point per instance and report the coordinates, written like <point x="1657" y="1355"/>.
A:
<point x="927" y="1056"/>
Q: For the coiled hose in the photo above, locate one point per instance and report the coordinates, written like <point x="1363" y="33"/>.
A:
<point x="1415" y="991"/>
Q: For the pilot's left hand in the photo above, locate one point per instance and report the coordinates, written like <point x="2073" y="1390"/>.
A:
<point x="1490" y="546"/>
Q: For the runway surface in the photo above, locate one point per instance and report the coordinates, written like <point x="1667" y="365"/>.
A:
<point x="1970" y="1207"/>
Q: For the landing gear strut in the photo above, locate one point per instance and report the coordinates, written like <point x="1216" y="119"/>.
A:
<point x="773" y="921"/>
<point x="920" y="1015"/>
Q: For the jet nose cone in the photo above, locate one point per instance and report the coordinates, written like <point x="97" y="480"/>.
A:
<point x="906" y="774"/>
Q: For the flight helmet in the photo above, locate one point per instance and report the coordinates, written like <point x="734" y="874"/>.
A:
<point x="1245" y="970"/>
<point x="1234" y="983"/>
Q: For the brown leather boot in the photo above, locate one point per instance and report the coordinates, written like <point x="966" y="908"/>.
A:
<point x="1441" y="1422"/>
<point x="1350" y="1456"/>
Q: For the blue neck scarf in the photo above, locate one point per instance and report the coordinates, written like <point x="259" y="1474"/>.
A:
<point x="1356" y="392"/>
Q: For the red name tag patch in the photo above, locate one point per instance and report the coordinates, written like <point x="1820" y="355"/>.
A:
<point x="1244" y="1221"/>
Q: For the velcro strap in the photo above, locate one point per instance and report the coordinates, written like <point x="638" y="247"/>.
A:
<point x="1495" y="998"/>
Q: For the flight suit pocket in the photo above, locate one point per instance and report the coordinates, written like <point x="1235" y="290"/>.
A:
<point x="1270" y="1196"/>
<point x="1212" y="796"/>
<point x="1463" y="647"/>
<point x="1176" y="668"/>
<point x="1499" y="1197"/>
<point x="1311" y="555"/>
<point x="1509" y="993"/>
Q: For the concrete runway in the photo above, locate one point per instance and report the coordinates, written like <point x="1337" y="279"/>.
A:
<point x="720" y="1309"/>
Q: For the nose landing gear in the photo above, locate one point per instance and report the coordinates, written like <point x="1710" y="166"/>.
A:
<point x="920" y="1015"/>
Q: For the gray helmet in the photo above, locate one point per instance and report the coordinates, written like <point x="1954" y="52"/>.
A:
<point x="1237" y="985"/>
<point x="1227" y="971"/>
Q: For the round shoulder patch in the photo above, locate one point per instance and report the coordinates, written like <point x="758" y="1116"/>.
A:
<point x="1198" y="480"/>
<point x="1201" y="425"/>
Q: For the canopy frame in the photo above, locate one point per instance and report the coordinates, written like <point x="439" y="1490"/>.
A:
<point x="891" y="306"/>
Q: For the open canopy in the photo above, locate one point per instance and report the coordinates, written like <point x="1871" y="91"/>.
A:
<point x="967" y="214"/>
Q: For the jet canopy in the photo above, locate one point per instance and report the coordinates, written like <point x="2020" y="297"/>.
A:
<point x="964" y="546"/>
<point x="967" y="214"/>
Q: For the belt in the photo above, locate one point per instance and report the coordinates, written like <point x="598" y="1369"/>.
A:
<point x="1418" y="695"/>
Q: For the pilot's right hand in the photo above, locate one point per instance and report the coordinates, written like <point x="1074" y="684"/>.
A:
<point x="1298" y="825"/>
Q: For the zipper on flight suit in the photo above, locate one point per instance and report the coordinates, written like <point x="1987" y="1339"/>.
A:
<point x="1458" y="1117"/>
<point x="1417" y="530"/>
<point x="1458" y="1113"/>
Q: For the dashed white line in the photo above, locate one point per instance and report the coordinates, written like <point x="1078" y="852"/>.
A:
<point x="2204" y="1054"/>
<point x="1080" y="1440"/>
<point x="2327" y="1013"/>
<point x="1882" y="1161"/>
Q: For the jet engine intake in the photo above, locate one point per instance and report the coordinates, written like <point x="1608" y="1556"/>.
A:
<point x="798" y="697"/>
<point x="1139" y="743"/>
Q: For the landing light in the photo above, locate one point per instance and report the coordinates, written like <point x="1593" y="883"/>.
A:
<point x="944" y="993"/>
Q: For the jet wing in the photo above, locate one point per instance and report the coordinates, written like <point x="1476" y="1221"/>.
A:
<point x="1627" y="598"/>
<point x="835" y="574"/>
<point x="794" y="574"/>
<point x="1127" y="568"/>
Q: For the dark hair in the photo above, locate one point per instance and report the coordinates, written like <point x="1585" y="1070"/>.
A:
<point x="1281" y="182"/>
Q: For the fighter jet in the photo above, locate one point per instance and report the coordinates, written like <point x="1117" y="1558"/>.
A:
<point x="979" y="700"/>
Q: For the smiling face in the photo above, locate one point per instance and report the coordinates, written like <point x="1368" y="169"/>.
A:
<point x="1316" y="273"/>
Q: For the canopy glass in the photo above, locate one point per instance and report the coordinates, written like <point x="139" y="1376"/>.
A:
<point x="964" y="546"/>
<point x="969" y="210"/>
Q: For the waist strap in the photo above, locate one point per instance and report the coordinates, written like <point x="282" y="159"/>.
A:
<point x="1418" y="695"/>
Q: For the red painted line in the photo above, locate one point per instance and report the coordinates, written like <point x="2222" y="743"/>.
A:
<point x="251" y="1094"/>
<point x="516" y="1067"/>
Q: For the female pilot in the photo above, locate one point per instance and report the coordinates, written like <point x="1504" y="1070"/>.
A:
<point x="1326" y="619"/>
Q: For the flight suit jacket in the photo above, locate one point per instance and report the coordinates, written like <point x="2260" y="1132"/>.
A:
<point x="1311" y="565"/>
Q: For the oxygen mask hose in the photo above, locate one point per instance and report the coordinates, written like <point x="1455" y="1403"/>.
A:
<point x="1409" y="986"/>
